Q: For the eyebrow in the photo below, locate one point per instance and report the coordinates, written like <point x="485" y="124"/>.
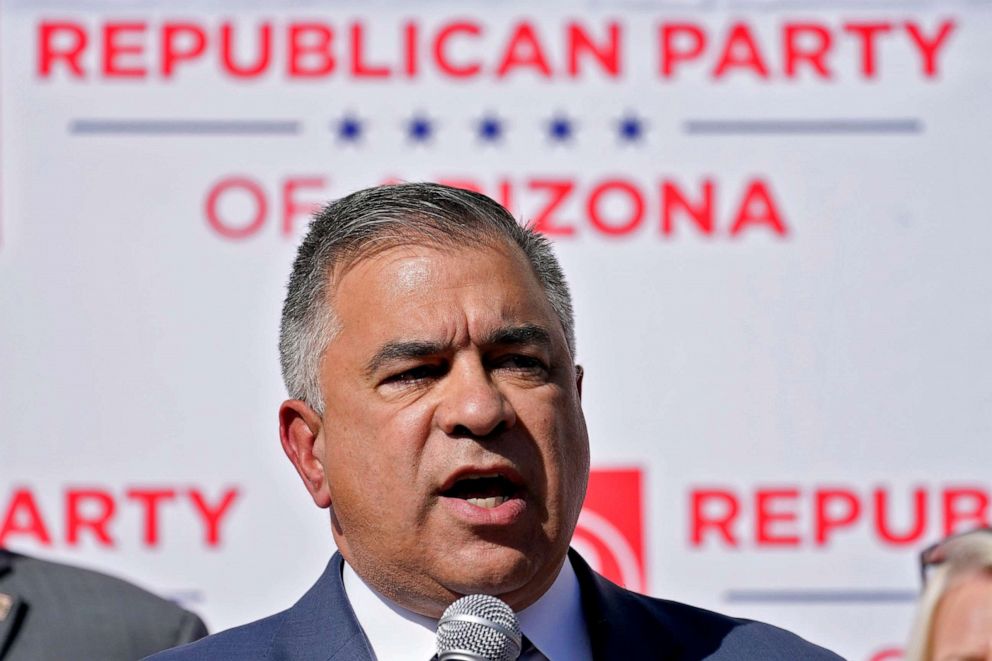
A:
<point x="524" y="334"/>
<point x="518" y="335"/>
<point x="394" y="351"/>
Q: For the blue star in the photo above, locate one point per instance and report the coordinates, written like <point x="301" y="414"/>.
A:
<point x="560" y="128"/>
<point x="491" y="128"/>
<point x="350" y="128"/>
<point x="631" y="128"/>
<point x="420" y="129"/>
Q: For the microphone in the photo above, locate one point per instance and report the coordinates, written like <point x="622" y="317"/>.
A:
<point x="478" y="627"/>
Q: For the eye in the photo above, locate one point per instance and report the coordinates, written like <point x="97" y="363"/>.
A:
<point x="523" y="364"/>
<point x="414" y="375"/>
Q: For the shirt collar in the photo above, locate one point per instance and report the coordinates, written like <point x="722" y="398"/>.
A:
<point x="393" y="632"/>
<point x="554" y="623"/>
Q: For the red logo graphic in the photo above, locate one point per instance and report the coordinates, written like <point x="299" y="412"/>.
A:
<point x="610" y="534"/>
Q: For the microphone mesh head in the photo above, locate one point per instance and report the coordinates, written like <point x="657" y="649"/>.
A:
<point x="480" y="627"/>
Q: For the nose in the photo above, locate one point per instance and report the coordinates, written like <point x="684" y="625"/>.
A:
<point x="472" y="403"/>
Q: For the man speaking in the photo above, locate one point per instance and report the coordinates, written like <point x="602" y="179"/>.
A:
<point x="428" y="347"/>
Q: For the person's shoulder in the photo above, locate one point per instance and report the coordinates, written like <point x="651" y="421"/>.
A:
<point x="636" y="621"/>
<point x="71" y="584"/>
<point x="120" y="614"/>
<point x="320" y="625"/>
<point x="739" y="638"/>
<point x="70" y="579"/>
<point x="248" y="641"/>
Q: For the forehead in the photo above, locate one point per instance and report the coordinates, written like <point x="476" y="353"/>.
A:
<point x="402" y="288"/>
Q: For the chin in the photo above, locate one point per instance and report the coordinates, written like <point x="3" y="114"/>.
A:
<point x="491" y="570"/>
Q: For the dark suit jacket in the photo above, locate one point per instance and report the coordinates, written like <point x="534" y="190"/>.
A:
<point x="321" y="626"/>
<point x="50" y="611"/>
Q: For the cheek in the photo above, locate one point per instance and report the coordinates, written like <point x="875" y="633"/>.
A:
<point x="558" y="426"/>
<point x="402" y="437"/>
<point x="982" y="623"/>
<point x="385" y="444"/>
<point x="574" y="459"/>
<point x="412" y="424"/>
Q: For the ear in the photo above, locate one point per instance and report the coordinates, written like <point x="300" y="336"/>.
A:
<point x="579" y="373"/>
<point x="300" y="433"/>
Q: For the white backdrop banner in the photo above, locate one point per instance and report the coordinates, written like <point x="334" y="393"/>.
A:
<point x="773" y="216"/>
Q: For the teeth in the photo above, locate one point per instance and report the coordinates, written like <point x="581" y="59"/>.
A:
<point x="488" y="503"/>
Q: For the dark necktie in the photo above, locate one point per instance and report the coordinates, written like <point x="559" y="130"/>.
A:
<point x="530" y="653"/>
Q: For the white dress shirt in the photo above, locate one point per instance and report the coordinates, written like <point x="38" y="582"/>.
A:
<point x="554" y="623"/>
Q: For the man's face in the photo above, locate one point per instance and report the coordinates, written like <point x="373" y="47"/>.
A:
<point x="453" y="448"/>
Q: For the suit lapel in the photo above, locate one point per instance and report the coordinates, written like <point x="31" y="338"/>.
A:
<point x="11" y="606"/>
<point x="321" y="626"/>
<point x="619" y="626"/>
<point x="11" y="610"/>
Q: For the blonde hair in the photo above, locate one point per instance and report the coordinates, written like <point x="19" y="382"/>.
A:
<point x="961" y="557"/>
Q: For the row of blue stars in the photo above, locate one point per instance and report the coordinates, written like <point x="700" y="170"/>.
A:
<point x="559" y="128"/>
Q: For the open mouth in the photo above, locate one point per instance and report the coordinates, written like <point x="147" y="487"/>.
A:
<point x="486" y="491"/>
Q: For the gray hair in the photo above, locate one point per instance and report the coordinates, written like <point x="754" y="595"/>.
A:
<point x="382" y="217"/>
<point x="962" y="556"/>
